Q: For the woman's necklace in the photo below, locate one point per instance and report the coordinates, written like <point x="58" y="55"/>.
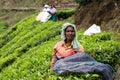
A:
<point x="68" y="44"/>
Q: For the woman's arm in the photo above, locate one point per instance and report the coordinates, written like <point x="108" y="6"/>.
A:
<point x="52" y="11"/>
<point x="53" y="61"/>
<point x="81" y="49"/>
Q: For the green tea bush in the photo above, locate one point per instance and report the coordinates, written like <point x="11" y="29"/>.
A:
<point x="103" y="47"/>
<point x="64" y="14"/>
<point x="3" y="27"/>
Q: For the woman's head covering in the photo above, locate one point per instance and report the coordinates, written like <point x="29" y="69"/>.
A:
<point x="46" y="6"/>
<point x="76" y="44"/>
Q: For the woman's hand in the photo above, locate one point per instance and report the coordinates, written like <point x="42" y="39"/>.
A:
<point x="52" y="65"/>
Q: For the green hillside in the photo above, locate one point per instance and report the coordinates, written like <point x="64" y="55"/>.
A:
<point x="26" y="50"/>
<point x="3" y="26"/>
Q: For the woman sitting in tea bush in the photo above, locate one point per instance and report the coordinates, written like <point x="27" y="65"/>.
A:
<point x="69" y="56"/>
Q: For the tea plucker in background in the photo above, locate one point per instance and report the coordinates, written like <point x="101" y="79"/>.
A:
<point x="53" y="11"/>
<point x="68" y="45"/>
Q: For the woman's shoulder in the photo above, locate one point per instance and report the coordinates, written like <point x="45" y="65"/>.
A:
<point x="59" y="43"/>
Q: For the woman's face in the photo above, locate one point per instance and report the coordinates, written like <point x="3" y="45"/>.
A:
<point x="69" y="33"/>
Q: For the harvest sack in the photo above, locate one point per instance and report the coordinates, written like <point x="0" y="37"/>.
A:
<point x="83" y="63"/>
<point x="44" y="15"/>
<point x="92" y="30"/>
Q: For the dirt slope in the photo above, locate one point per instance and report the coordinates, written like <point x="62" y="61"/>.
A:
<point x="105" y="14"/>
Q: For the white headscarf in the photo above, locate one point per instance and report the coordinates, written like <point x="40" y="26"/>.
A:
<point x="76" y="44"/>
